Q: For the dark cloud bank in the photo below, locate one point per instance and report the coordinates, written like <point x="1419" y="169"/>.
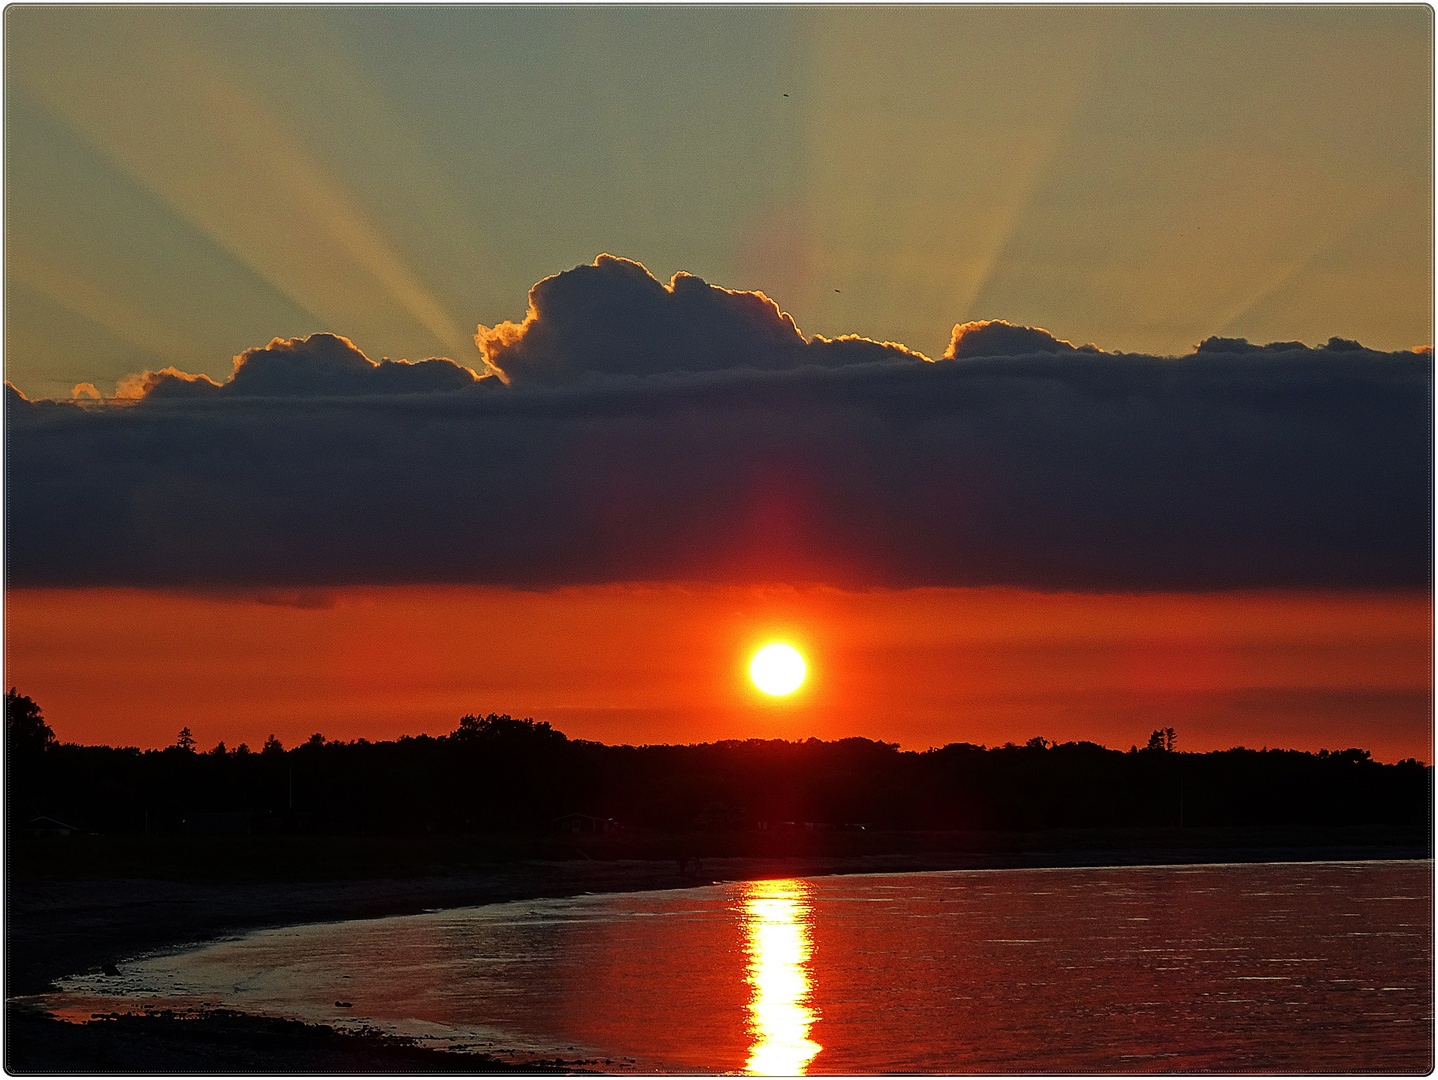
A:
<point x="655" y="432"/>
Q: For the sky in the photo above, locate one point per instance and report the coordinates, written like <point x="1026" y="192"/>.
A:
<point x="626" y="466"/>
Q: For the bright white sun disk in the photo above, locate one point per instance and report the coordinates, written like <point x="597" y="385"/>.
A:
<point x="777" y="669"/>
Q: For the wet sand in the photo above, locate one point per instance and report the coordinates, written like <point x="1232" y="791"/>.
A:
<point x="61" y="924"/>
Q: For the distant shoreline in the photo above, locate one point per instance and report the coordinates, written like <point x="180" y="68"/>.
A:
<point x="58" y="926"/>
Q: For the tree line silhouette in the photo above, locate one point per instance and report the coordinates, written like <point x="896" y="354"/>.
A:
<point x="497" y="774"/>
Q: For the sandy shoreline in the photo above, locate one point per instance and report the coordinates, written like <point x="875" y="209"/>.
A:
<point x="60" y="927"/>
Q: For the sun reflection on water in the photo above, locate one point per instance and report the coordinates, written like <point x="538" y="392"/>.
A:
<point x="777" y="939"/>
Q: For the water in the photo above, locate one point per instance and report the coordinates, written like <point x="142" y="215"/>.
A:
<point x="1248" y="968"/>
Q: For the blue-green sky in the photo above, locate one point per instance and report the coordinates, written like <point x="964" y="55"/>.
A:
<point x="185" y="183"/>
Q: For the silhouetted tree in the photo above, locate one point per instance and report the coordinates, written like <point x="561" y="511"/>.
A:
<point x="1165" y="739"/>
<point x="495" y="774"/>
<point x="185" y="741"/>
<point x="505" y="728"/>
<point x="25" y="727"/>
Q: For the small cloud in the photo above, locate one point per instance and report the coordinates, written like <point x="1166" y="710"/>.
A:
<point x="170" y="382"/>
<point x="85" y="392"/>
<point x="327" y="365"/>
<point x="1244" y="347"/>
<point x="995" y="337"/>
<point x="304" y="599"/>
<point x="1231" y="346"/>
<point x="321" y="365"/>
<point x="853" y="349"/>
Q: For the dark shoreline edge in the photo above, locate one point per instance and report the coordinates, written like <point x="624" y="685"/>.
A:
<point x="56" y="928"/>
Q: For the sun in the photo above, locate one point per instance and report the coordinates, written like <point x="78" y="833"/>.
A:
<point x="777" y="669"/>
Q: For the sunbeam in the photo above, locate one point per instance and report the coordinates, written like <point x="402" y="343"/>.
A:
<point x="920" y="168"/>
<point x="91" y="301"/>
<point x="166" y="114"/>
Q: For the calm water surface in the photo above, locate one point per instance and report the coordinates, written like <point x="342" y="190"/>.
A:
<point x="1250" y="968"/>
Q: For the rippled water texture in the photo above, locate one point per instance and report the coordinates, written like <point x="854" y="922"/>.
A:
<point x="1278" y="967"/>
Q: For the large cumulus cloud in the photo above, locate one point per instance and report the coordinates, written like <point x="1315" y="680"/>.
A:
<point x="1054" y="467"/>
<point x="615" y="318"/>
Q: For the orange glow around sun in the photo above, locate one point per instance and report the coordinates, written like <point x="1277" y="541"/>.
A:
<point x="670" y="664"/>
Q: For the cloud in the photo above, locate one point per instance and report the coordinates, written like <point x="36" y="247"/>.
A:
<point x="841" y="461"/>
<point x="615" y="318"/>
<point x="321" y="365"/>
<point x="999" y="338"/>
<point x="166" y="383"/>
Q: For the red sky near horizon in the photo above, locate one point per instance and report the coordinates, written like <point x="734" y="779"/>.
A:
<point x="667" y="664"/>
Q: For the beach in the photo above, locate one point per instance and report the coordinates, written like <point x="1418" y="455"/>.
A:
<point x="72" y="911"/>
